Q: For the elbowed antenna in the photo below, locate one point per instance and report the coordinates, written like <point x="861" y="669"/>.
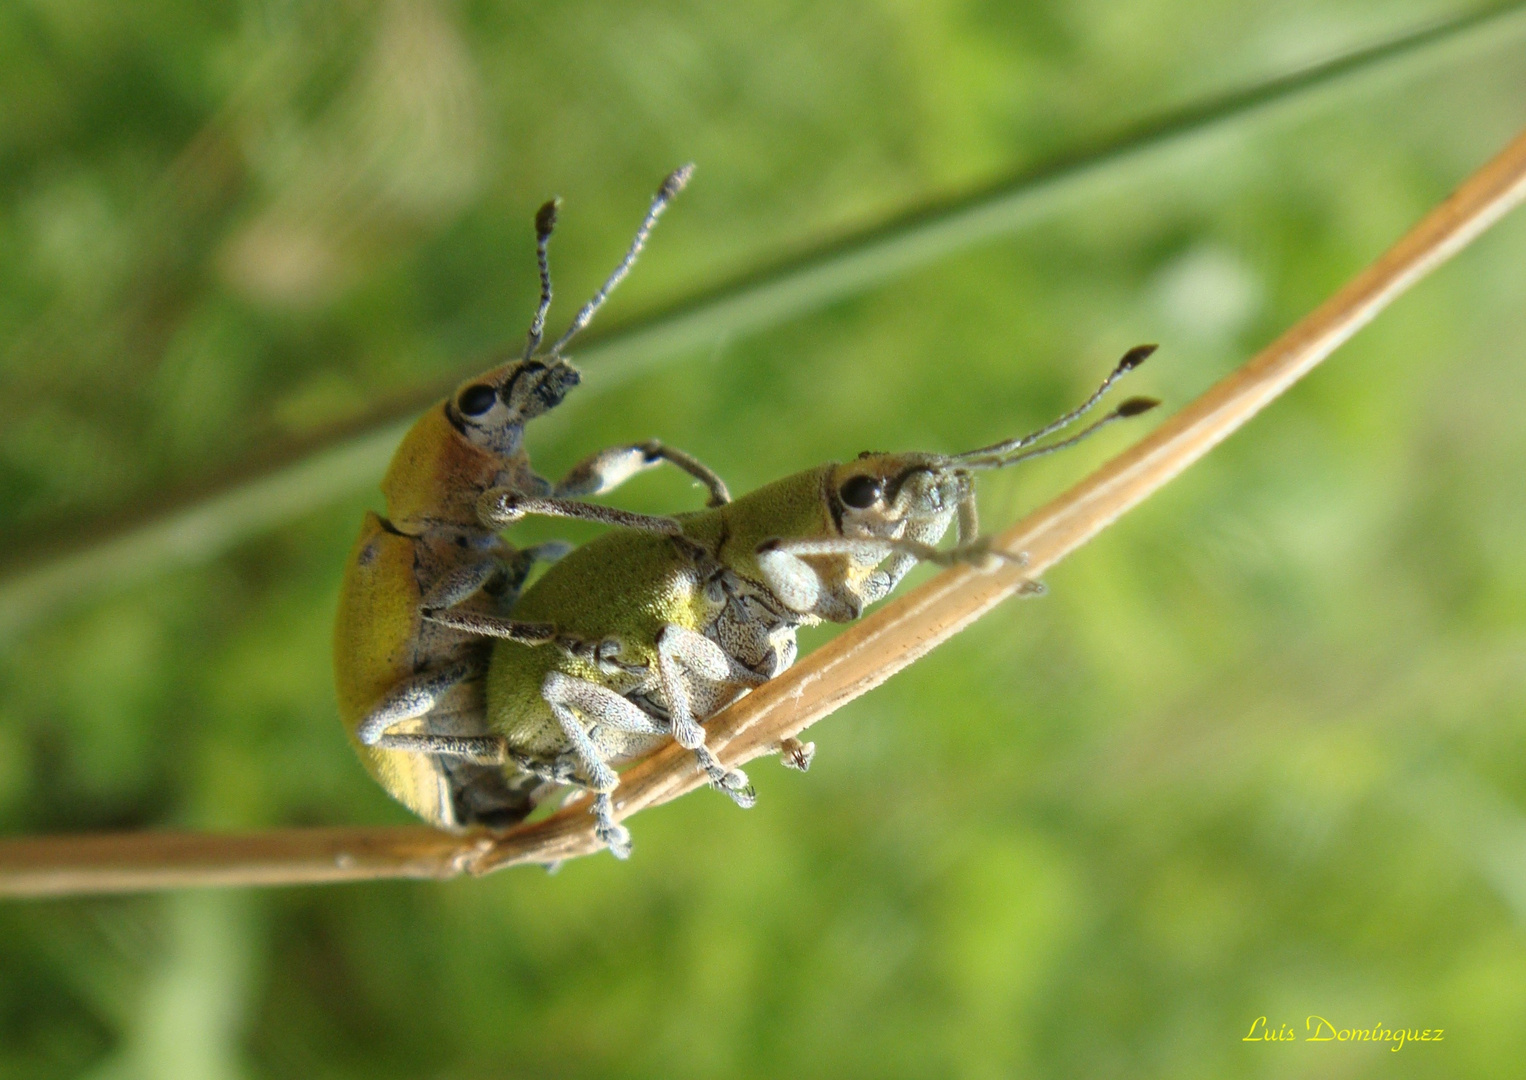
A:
<point x="545" y="224"/>
<point x="1131" y="360"/>
<point x="671" y="186"/>
<point x="1134" y="406"/>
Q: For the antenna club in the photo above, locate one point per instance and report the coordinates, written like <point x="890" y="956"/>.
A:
<point x="675" y="181"/>
<point x="1135" y="406"/>
<point x="1136" y="356"/>
<point x="545" y="217"/>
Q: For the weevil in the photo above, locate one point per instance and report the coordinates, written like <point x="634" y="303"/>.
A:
<point x="410" y="687"/>
<point x="660" y="628"/>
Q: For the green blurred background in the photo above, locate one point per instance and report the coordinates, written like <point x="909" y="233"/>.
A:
<point x="1260" y="751"/>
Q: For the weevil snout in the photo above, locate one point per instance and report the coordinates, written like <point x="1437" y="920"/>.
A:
<point x="929" y="491"/>
<point x="539" y="385"/>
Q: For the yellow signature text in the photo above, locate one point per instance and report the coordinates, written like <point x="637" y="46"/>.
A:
<point x="1318" y="1029"/>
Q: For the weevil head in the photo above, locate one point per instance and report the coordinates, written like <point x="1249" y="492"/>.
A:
<point x="800" y="524"/>
<point x="875" y="497"/>
<point x="896" y="496"/>
<point x="916" y="496"/>
<point x="471" y="443"/>
<point x="491" y="410"/>
<point x="474" y="442"/>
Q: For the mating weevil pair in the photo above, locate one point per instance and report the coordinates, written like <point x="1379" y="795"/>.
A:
<point x="645" y="632"/>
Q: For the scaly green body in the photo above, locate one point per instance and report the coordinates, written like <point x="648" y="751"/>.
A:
<point x="626" y="587"/>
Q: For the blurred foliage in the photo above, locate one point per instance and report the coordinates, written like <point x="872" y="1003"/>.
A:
<point x="1261" y="751"/>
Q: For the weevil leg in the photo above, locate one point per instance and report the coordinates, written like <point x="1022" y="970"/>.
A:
<point x="410" y="699"/>
<point x="794" y="754"/>
<point x="610" y="832"/>
<point x="797" y="585"/>
<point x="791" y="579"/>
<point x="482" y="749"/>
<point x="608" y="469"/>
<point x="883" y="581"/>
<point x="680" y="651"/>
<point x="494" y="626"/>
<point x="977" y="553"/>
<point x="503" y="506"/>
<point x="600" y="705"/>
<point x="415" y="697"/>
<point x="703" y="657"/>
<point x="969" y="520"/>
<point x="461" y="584"/>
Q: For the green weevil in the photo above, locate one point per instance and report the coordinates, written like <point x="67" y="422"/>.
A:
<point x="409" y="686"/>
<point x="659" y="628"/>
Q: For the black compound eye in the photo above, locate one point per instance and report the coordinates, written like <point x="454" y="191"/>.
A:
<point x="860" y="492"/>
<point x="476" y="400"/>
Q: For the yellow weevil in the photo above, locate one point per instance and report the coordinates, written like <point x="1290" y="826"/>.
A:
<point x="409" y="687"/>
<point x="659" y="627"/>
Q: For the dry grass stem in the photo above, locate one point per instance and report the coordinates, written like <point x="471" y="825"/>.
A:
<point x="860" y="659"/>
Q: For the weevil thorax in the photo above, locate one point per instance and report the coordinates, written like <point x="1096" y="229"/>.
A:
<point x="472" y="442"/>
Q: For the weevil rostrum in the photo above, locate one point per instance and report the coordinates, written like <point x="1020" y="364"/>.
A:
<point x="660" y="626"/>
<point x="410" y="689"/>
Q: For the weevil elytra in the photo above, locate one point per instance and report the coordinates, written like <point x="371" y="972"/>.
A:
<point x="410" y="689"/>
<point x="658" y="629"/>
